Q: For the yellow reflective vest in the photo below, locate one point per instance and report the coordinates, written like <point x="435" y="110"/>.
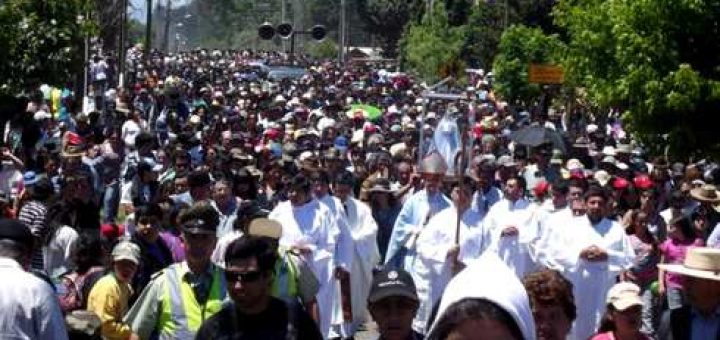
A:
<point x="181" y="314"/>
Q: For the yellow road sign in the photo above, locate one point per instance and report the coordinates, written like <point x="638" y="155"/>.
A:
<point x="546" y="74"/>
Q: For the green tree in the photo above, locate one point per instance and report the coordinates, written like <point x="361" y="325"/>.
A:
<point x="42" y="41"/>
<point x="519" y="47"/>
<point x="432" y="44"/>
<point x="658" y="62"/>
<point x="386" y="19"/>
<point x="482" y="35"/>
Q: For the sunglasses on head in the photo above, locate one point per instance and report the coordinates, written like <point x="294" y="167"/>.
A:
<point x="246" y="277"/>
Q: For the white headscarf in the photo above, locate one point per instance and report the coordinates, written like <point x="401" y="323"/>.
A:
<point x="489" y="278"/>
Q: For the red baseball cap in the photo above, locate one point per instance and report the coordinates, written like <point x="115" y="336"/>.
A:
<point x="643" y="182"/>
<point x="620" y="183"/>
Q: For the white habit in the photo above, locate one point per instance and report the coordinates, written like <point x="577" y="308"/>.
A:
<point x="432" y="270"/>
<point x="514" y="250"/>
<point x="591" y="280"/>
<point x="313" y="226"/>
<point x="366" y="256"/>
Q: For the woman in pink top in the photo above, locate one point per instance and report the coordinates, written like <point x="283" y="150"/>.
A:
<point x="681" y="236"/>
<point x="622" y="318"/>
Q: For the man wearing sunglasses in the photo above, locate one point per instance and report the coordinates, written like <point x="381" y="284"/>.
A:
<point x="253" y="312"/>
<point x="182" y="296"/>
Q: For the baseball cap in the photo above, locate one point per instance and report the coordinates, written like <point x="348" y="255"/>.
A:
<point x="199" y="226"/>
<point x="126" y="251"/>
<point x="624" y="295"/>
<point x="392" y="282"/>
<point x="265" y="227"/>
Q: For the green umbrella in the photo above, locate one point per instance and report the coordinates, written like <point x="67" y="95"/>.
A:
<point x="368" y="111"/>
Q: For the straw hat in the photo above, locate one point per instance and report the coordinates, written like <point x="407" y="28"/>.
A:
<point x="706" y="193"/>
<point x="700" y="262"/>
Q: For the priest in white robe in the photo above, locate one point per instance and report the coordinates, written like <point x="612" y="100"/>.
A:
<point x="590" y="251"/>
<point x="339" y="327"/>
<point x="512" y="222"/>
<point x="416" y="213"/>
<point x="366" y="253"/>
<point x="310" y="228"/>
<point x="555" y="213"/>
<point x="439" y="247"/>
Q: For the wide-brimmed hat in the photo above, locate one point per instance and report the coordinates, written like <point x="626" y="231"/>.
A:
<point x="706" y="193"/>
<point x="122" y="107"/>
<point x="380" y="185"/>
<point x="623" y="149"/>
<point x="700" y="262"/>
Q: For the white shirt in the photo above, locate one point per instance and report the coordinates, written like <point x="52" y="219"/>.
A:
<point x="57" y="254"/>
<point x="30" y="309"/>
<point x="130" y="129"/>
<point x="218" y="255"/>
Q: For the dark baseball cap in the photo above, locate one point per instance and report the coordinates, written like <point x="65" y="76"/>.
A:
<point x="199" y="226"/>
<point x="392" y="282"/>
<point x="16" y="231"/>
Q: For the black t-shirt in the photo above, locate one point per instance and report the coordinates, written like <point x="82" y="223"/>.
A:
<point x="271" y="324"/>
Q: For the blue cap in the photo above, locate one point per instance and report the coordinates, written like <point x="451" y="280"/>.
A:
<point x="30" y="178"/>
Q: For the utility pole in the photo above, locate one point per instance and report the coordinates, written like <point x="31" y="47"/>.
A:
<point x="283" y="19"/>
<point x="121" y="44"/>
<point x="342" y="32"/>
<point x="148" y="32"/>
<point x="166" y="32"/>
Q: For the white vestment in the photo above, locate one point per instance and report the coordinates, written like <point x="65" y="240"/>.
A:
<point x="366" y="256"/>
<point x="313" y="226"/>
<point x="343" y="258"/>
<point x="514" y="250"/>
<point x="591" y="280"/>
<point x="432" y="271"/>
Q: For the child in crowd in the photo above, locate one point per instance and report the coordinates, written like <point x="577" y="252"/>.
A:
<point x="681" y="236"/>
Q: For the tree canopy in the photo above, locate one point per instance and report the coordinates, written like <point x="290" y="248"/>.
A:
<point x="519" y="47"/>
<point x="657" y="62"/>
<point x="42" y="41"/>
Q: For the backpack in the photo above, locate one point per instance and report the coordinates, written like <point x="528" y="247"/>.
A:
<point x="74" y="289"/>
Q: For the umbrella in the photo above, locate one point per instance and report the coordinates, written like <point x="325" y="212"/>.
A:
<point x="536" y="135"/>
<point x="368" y="111"/>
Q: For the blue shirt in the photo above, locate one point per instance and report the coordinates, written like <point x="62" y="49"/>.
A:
<point x="705" y="327"/>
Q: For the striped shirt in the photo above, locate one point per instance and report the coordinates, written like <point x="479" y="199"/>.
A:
<point x="32" y="214"/>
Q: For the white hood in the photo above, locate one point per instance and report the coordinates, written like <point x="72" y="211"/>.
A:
<point x="489" y="278"/>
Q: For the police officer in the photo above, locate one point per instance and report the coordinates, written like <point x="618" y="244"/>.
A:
<point x="182" y="296"/>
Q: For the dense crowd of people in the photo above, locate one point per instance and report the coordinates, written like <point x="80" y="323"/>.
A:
<point x="208" y="200"/>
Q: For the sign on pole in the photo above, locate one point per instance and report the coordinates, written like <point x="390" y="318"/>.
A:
<point x="546" y="74"/>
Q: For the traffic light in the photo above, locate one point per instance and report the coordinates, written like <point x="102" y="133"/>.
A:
<point x="284" y="30"/>
<point x="318" y="32"/>
<point x="266" y="31"/>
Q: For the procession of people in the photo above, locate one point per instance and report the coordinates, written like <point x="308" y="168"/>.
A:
<point x="205" y="199"/>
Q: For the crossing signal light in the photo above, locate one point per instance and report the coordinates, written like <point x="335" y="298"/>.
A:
<point x="284" y="30"/>
<point x="266" y="31"/>
<point x="318" y="32"/>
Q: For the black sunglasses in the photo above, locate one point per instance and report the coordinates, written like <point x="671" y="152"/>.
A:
<point x="246" y="277"/>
